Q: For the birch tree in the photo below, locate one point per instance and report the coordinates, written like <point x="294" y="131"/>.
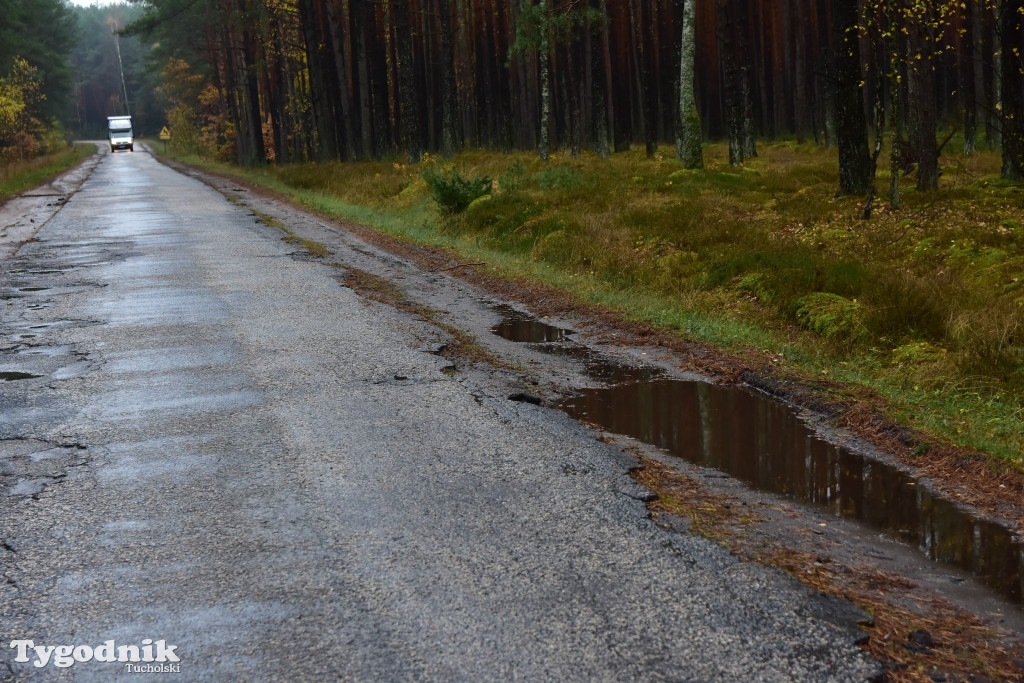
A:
<point x="689" y="143"/>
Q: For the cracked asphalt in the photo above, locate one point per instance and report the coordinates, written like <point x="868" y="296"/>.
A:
<point x="206" y="439"/>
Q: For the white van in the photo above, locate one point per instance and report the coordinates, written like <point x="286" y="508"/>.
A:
<point x="119" y="133"/>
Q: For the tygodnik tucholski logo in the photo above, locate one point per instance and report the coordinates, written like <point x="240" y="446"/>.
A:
<point x="151" y="657"/>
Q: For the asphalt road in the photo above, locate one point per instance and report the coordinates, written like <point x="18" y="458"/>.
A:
<point x="207" y="440"/>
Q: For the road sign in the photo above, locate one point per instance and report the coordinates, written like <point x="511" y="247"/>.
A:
<point x="165" y="134"/>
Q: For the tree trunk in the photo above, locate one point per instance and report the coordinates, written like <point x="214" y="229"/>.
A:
<point x="989" y="83"/>
<point x="599" y="86"/>
<point x="408" y="103"/>
<point x="742" y="53"/>
<point x="323" y="114"/>
<point x="921" y="91"/>
<point x="1012" y="88"/>
<point x="575" y="109"/>
<point x="801" y="106"/>
<point x="968" y="86"/>
<point x="826" y="75"/>
<point x="544" y="63"/>
<point x="621" y="62"/>
<point x="340" y="83"/>
<point x="449" y="92"/>
<point x="361" y="19"/>
<point x="897" y="55"/>
<point x="642" y="108"/>
<point x="731" y="87"/>
<point x="257" y="155"/>
<point x="851" y="125"/>
<point x="689" y="144"/>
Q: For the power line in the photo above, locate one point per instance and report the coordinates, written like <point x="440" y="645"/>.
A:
<point x="120" y="64"/>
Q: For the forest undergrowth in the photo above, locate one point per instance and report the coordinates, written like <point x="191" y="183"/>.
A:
<point x="922" y="305"/>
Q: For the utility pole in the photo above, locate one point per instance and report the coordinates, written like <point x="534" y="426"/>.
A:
<point x="120" y="65"/>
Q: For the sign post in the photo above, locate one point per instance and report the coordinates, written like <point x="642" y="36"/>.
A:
<point x="165" y="135"/>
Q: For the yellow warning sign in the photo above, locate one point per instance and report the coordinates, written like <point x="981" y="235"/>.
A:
<point x="165" y="134"/>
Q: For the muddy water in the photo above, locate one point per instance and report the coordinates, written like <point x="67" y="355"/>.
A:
<point x="765" y="443"/>
<point x="520" y="327"/>
<point x="15" y="376"/>
<point x="598" y="368"/>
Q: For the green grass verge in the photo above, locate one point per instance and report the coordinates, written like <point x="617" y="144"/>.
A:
<point x="20" y="176"/>
<point x="923" y="305"/>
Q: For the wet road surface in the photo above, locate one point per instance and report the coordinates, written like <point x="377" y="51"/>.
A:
<point x="207" y="440"/>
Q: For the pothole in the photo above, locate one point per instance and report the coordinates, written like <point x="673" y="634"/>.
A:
<point x="15" y="376"/>
<point x="521" y="327"/>
<point x="766" y="444"/>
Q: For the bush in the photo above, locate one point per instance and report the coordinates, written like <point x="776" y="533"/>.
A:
<point x="513" y="178"/>
<point x="918" y="353"/>
<point x="561" y="179"/>
<point x="453" y="192"/>
<point x="988" y="338"/>
<point x="54" y="140"/>
<point x="675" y="271"/>
<point x="831" y="316"/>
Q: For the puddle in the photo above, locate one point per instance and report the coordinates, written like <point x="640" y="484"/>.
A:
<point x="14" y="376"/>
<point x="520" y="327"/>
<point x="599" y="368"/>
<point x="764" y="443"/>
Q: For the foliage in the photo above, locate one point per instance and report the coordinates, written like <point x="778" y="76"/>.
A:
<point x="831" y="316"/>
<point x="453" y="192"/>
<point x="513" y="177"/>
<point x="560" y="178"/>
<point x="20" y="97"/>
<point x="935" y="17"/>
<point x="41" y="33"/>
<point x="194" y="115"/>
<point x="181" y="122"/>
<point x="543" y="25"/>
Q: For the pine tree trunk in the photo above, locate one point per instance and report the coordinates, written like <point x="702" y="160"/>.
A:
<point x="995" y="139"/>
<point x="741" y="52"/>
<point x="968" y="86"/>
<point x="449" y="93"/>
<point x="921" y="91"/>
<point x="1012" y="88"/>
<point x="326" y="145"/>
<point x="599" y="87"/>
<point x="257" y="155"/>
<point x="731" y="86"/>
<point x="851" y="125"/>
<point x="896" y="57"/>
<point x="340" y="82"/>
<point x="361" y="19"/>
<point x="825" y="76"/>
<point x="575" y="110"/>
<point x="544" y="63"/>
<point x="408" y="103"/>
<point x="801" y="106"/>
